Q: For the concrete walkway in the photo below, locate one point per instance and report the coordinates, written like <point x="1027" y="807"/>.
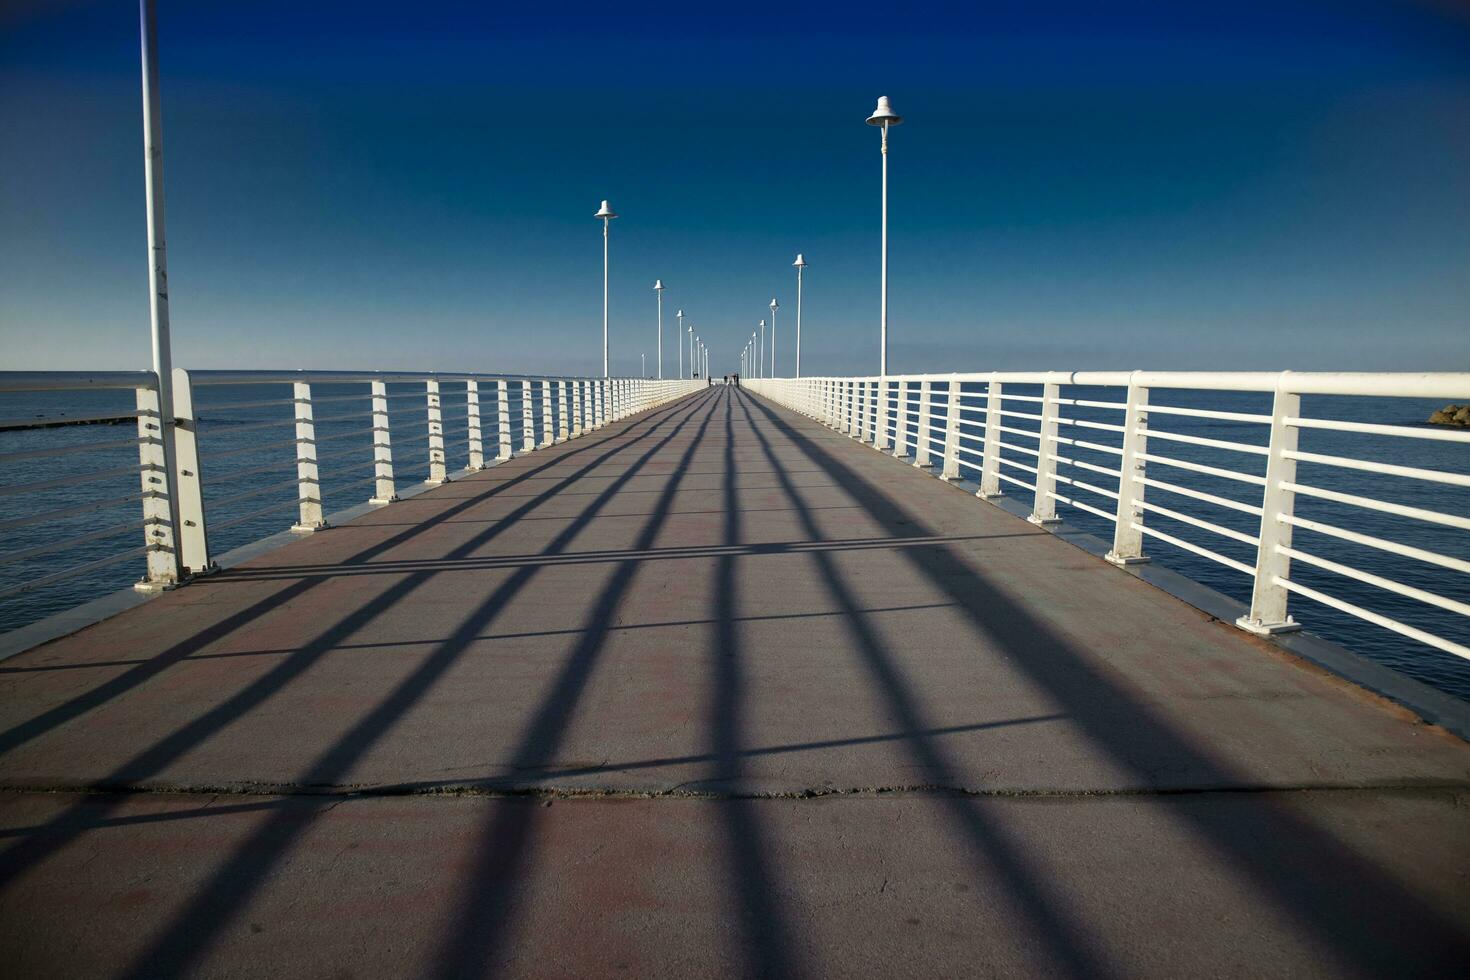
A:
<point x="711" y="691"/>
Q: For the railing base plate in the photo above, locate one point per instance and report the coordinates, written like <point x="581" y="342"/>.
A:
<point x="1127" y="560"/>
<point x="1267" y="629"/>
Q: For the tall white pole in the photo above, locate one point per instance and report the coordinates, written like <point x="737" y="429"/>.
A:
<point x="605" y="223"/>
<point x="643" y="365"/>
<point x="158" y="264"/>
<point x="883" y="327"/>
<point x="800" y="265"/>
<point x="774" y="307"/>
<point x="690" y="331"/>
<point x="658" y="287"/>
<point x="679" y="343"/>
<point x="763" y="350"/>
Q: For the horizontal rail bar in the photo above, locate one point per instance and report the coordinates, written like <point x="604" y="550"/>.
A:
<point x="1235" y="447"/>
<point x="1375" y="428"/>
<point x="63" y="512"/>
<point x="1373" y="466"/>
<point x="111" y="531"/>
<point x="1387" y="584"/>
<point x="1413" y="632"/>
<point x="66" y="573"/>
<point x="1214" y="556"/>
<point x="1368" y="503"/>
<point x="1208" y="498"/>
<point x="14" y="489"/>
<point x="86" y="447"/>
<point x="1169" y="512"/>
<point x="1382" y="544"/>
<point x="1202" y="468"/>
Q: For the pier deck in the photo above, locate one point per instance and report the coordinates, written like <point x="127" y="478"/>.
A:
<point x="713" y="690"/>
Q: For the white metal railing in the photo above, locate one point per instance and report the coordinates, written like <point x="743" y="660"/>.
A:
<point x="307" y="429"/>
<point x="1070" y="439"/>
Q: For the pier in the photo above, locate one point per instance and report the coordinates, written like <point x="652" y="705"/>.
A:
<point x="712" y="688"/>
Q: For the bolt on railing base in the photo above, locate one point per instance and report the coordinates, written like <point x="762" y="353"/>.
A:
<point x="1267" y="629"/>
<point x="1125" y="560"/>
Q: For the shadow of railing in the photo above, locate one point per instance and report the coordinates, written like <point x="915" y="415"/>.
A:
<point x="185" y="939"/>
<point x="1366" y="919"/>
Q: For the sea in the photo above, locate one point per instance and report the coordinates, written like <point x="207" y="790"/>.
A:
<point x="249" y="471"/>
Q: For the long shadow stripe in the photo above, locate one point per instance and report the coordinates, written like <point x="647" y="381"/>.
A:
<point x="1066" y="942"/>
<point x="1365" y="919"/>
<point x="489" y="892"/>
<point x="232" y="885"/>
<point x="32" y="728"/>
<point x="67" y="826"/>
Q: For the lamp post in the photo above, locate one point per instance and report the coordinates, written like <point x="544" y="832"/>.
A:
<point x="690" y="331"/>
<point x="754" y="359"/>
<point x="884" y="116"/>
<point x="774" y="307"/>
<point x="800" y="264"/>
<point x="658" y="287"/>
<point x="606" y="214"/>
<point x="643" y="362"/>
<point x="694" y="358"/>
<point x="679" y="342"/>
<point x="763" y="350"/>
<point x="163" y="371"/>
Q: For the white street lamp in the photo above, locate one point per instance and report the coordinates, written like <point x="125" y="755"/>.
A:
<point x="158" y="287"/>
<point x="606" y="214"/>
<point x="690" y="331"/>
<point x="643" y="369"/>
<point x="763" y="350"/>
<point x="884" y="116"/>
<point x="694" y="358"/>
<point x="679" y="342"/>
<point x="800" y="264"/>
<point x="658" y="287"/>
<point x="774" y="307"/>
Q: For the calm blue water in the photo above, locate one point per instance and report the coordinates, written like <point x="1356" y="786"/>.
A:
<point x="345" y="448"/>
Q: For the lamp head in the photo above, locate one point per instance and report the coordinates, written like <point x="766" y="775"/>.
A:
<point x="774" y="305"/>
<point x="658" y="284"/>
<point x="763" y="324"/>
<point x="605" y="211"/>
<point x="800" y="262"/>
<point x="883" y="114"/>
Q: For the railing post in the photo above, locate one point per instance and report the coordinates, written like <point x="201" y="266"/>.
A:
<point x="308" y="478"/>
<point x="438" y="472"/>
<point x="598" y="417"/>
<point x="880" y="413"/>
<point x="1127" y="539"/>
<point x="579" y="395"/>
<point x="502" y="419"/>
<point x="164" y="565"/>
<point x="951" y="459"/>
<point x="1044" y="505"/>
<point x="472" y="425"/>
<point x="384" y="490"/>
<point x="564" y="412"/>
<point x="854" y="418"/>
<point x="990" y="451"/>
<point x="548" y="419"/>
<point x="528" y="418"/>
<point x="193" y="534"/>
<point x="921" y="429"/>
<point x="1268" y="613"/>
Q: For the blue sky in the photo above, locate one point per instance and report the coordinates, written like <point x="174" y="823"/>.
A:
<point x="1231" y="185"/>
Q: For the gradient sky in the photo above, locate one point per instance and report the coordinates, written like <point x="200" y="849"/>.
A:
<point x="411" y="186"/>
